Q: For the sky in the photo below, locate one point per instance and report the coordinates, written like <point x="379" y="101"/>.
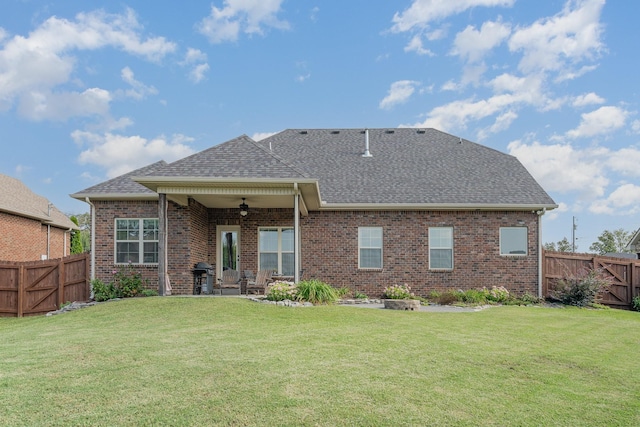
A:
<point x="90" y="90"/>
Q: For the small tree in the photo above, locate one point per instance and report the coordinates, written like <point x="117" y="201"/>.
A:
<point x="76" y="241"/>
<point x="611" y="242"/>
<point x="562" y="246"/>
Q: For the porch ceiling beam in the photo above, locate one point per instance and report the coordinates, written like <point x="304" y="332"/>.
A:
<point x="226" y="191"/>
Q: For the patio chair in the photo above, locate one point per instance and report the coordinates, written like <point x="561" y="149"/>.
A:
<point x="263" y="278"/>
<point x="230" y="280"/>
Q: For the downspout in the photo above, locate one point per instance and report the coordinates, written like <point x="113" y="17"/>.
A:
<point x="64" y="248"/>
<point x="296" y="235"/>
<point x="540" y="278"/>
<point x="49" y="232"/>
<point x="93" y="238"/>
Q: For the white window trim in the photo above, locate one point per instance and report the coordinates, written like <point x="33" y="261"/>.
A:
<point x="443" y="247"/>
<point x="280" y="251"/>
<point x="372" y="247"/>
<point x="140" y="241"/>
<point x="526" y="244"/>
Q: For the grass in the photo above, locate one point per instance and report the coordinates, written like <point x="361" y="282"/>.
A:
<point x="227" y="361"/>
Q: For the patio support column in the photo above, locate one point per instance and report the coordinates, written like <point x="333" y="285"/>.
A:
<point x="162" y="243"/>
<point x="296" y="234"/>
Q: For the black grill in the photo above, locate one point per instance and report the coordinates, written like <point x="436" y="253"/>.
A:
<point x="203" y="278"/>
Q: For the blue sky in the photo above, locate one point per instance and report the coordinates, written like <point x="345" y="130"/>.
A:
<point x="90" y="90"/>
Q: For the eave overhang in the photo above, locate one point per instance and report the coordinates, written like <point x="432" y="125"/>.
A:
<point x="435" y="207"/>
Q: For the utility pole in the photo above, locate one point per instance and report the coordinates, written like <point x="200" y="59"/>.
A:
<point x="573" y="235"/>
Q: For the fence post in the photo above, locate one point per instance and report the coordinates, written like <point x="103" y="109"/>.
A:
<point x="61" y="281"/>
<point x="21" y="296"/>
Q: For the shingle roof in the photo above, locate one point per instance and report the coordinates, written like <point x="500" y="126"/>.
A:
<point x="407" y="166"/>
<point x="240" y="157"/>
<point x="423" y="166"/>
<point x="122" y="184"/>
<point x="17" y="199"/>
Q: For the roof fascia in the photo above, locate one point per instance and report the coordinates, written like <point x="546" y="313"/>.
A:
<point x="114" y="196"/>
<point x="434" y="206"/>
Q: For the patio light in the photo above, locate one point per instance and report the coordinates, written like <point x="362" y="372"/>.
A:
<point x="244" y="208"/>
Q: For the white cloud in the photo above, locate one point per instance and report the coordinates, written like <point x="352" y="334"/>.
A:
<point x="625" y="161"/>
<point x="138" y="89"/>
<point x="635" y="126"/>
<point x="196" y="59"/>
<point x="599" y="122"/>
<point x="471" y="44"/>
<point x="587" y="99"/>
<point x="236" y="16"/>
<point x="398" y="93"/>
<point x="415" y="45"/>
<point x="624" y="200"/>
<point x="559" y="42"/>
<point x="422" y="12"/>
<point x="32" y="67"/>
<point x="258" y="136"/>
<point x="502" y="122"/>
<point x="564" y="168"/>
<point x="119" y="154"/>
<point x="46" y="105"/>
<point x="198" y="73"/>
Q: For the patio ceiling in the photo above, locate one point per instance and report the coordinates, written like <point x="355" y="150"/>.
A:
<point x="216" y="194"/>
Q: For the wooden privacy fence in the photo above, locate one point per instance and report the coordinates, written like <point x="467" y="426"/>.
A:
<point x="623" y="272"/>
<point x="38" y="287"/>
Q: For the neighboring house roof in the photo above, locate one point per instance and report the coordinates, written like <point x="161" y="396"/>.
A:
<point x="412" y="168"/>
<point x="17" y="199"/>
<point x="634" y="243"/>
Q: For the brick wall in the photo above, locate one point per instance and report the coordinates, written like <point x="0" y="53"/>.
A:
<point x="330" y="246"/>
<point x="330" y="251"/>
<point x="25" y="239"/>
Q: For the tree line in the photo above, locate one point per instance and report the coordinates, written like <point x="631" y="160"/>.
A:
<point x="608" y="242"/>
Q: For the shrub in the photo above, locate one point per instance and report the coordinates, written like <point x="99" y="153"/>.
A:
<point x="635" y="303"/>
<point x="281" y="290"/>
<point x="397" y="292"/>
<point x="316" y="292"/>
<point x="127" y="281"/>
<point x="498" y="294"/>
<point x="581" y="289"/>
<point x="103" y="291"/>
<point x="360" y="295"/>
<point x="474" y="296"/>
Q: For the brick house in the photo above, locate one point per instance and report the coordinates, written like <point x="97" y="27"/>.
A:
<point x="352" y="207"/>
<point x="31" y="228"/>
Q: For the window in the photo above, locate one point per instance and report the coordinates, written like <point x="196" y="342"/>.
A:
<point x="370" y="247"/>
<point x="513" y="240"/>
<point x="441" y="248"/>
<point x="137" y="241"/>
<point x="276" y="250"/>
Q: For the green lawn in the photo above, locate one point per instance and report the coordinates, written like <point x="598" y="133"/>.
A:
<point x="227" y="361"/>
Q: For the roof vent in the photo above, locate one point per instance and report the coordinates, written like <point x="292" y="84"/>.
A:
<point x="420" y="131"/>
<point x="366" y="144"/>
<point x="389" y="131"/>
<point x="303" y="132"/>
<point x="335" y="132"/>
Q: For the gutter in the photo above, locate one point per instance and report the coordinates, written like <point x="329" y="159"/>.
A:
<point x="93" y="239"/>
<point x="540" y="278"/>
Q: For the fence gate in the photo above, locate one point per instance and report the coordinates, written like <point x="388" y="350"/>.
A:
<point x="623" y="273"/>
<point x="37" y="287"/>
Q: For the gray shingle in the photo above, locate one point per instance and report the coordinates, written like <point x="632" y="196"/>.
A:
<point x="407" y="166"/>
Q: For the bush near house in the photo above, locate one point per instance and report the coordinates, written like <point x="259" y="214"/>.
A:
<point x="126" y="283"/>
